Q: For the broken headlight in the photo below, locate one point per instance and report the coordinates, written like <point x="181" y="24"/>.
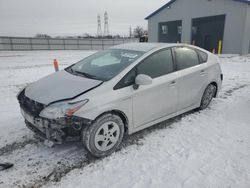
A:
<point x="62" y="109"/>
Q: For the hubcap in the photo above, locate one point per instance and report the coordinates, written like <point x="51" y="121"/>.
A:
<point x="107" y="136"/>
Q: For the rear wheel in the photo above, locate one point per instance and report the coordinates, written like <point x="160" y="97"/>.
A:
<point x="104" y="136"/>
<point x="208" y="95"/>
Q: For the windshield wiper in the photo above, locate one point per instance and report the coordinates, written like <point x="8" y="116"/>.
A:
<point x="85" y="74"/>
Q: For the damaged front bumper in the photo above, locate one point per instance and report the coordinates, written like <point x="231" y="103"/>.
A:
<point x="56" y="131"/>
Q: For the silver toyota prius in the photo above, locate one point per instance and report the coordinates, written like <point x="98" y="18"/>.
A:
<point x="119" y="91"/>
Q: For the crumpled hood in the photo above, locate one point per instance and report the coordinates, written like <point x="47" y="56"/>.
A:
<point x="59" y="86"/>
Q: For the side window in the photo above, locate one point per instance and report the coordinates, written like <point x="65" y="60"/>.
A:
<point x="157" y="65"/>
<point x="202" y="56"/>
<point x="185" y="58"/>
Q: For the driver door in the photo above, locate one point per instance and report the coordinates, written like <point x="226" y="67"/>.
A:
<point x="155" y="101"/>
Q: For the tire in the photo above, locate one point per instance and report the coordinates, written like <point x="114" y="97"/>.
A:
<point x="104" y="136"/>
<point x="207" y="96"/>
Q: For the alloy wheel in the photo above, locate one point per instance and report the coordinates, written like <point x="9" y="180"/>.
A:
<point x="107" y="136"/>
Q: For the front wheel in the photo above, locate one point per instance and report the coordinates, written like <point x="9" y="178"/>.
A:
<point x="104" y="136"/>
<point x="208" y="95"/>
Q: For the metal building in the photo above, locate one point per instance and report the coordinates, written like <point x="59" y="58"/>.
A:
<point x="203" y="23"/>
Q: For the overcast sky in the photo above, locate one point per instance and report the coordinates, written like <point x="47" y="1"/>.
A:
<point x="72" y="17"/>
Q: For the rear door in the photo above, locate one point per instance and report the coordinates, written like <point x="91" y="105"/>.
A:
<point x="192" y="76"/>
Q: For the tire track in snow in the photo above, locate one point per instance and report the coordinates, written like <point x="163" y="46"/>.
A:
<point x="9" y="148"/>
<point x="37" y="163"/>
<point x="229" y="92"/>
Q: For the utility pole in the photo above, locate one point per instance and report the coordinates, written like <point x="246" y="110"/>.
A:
<point x="130" y="32"/>
<point x="99" y="27"/>
<point x="106" y="24"/>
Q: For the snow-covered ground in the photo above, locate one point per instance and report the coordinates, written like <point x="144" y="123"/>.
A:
<point x="210" y="148"/>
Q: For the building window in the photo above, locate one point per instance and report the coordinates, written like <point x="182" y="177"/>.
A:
<point x="164" y="29"/>
<point x="194" y="30"/>
<point x="179" y="30"/>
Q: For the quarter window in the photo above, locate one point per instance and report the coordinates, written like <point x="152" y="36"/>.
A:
<point x="157" y="65"/>
<point x="127" y="80"/>
<point x="185" y="58"/>
<point x="202" y="56"/>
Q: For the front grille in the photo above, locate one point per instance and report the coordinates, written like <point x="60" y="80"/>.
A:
<point x="30" y="106"/>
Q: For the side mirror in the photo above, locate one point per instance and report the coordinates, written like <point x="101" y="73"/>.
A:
<point x="143" y="79"/>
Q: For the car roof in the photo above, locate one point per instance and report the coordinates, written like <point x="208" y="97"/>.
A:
<point x="143" y="47"/>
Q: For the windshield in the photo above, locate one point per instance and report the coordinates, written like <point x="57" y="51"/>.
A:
<point x="104" y="65"/>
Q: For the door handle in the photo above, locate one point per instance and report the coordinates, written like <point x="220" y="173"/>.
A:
<point x="202" y="72"/>
<point x="173" y="83"/>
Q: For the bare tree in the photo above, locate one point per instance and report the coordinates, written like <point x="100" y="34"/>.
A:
<point x="40" y="35"/>
<point x="138" y="31"/>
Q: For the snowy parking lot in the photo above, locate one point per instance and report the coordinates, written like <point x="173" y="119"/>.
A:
<point x="209" y="148"/>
